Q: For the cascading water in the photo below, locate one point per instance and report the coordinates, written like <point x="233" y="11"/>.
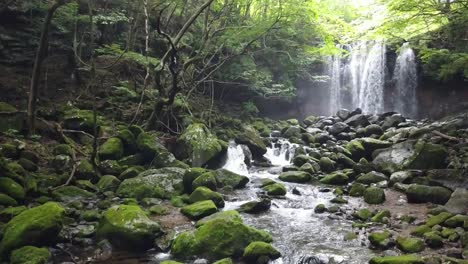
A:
<point x="334" y="69"/>
<point x="235" y="160"/>
<point x="406" y="81"/>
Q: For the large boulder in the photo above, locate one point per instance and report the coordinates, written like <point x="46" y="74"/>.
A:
<point x="252" y="139"/>
<point x="458" y="202"/>
<point x="295" y="176"/>
<point x="374" y="195"/>
<point x="338" y="128"/>
<point x="228" y="178"/>
<point x="427" y="156"/>
<point x="128" y="226"/>
<point x="112" y="149"/>
<point x="371" y="177"/>
<point x="198" y="145"/>
<point x="392" y="159"/>
<point x="218" y="238"/>
<point x="155" y="183"/>
<point x="358" y="120"/>
<point x="203" y="194"/>
<point x="200" y="209"/>
<point x="154" y="151"/>
<point x="417" y="193"/>
<point x="36" y="226"/>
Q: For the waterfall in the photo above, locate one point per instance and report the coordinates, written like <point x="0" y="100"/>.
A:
<point x="235" y="160"/>
<point x="406" y="81"/>
<point x="371" y="90"/>
<point x="281" y="152"/>
<point x="334" y="71"/>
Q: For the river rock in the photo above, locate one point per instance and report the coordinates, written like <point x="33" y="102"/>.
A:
<point x="11" y="188"/>
<point x="335" y="178"/>
<point x="254" y="207"/>
<point x="458" y="202"/>
<point x="36" y="226"/>
<point x="422" y="194"/>
<point x="381" y="240"/>
<point x="252" y="139"/>
<point x="203" y="194"/>
<point x="374" y="195"/>
<point x="275" y="189"/>
<point x="199" y="210"/>
<point x="228" y="178"/>
<point x="393" y="121"/>
<point x="128" y="226"/>
<point x="358" y="120"/>
<point x="371" y="177"/>
<point x="295" y="176"/>
<point x="403" y="259"/>
<point x="373" y="129"/>
<point x="427" y="156"/>
<point x="207" y="179"/>
<point x="449" y="178"/>
<point x="113" y="149"/>
<point x="409" y="244"/>
<point x="258" y="249"/>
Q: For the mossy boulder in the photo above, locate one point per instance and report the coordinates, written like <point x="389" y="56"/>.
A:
<point x="199" y="210"/>
<point x="15" y="120"/>
<point x="111" y="149"/>
<point x="76" y="119"/>
<point x="381" y="217"/>
<point x="419" y="231"/>
<point x="8" y="213"/>
<point x="363" y="214"/>
<point x="381" y="240"/>
<point x="254" y="207"/>
<point x="231" y="215"/>
<point x="417" y="193"/>
<point x="108" y="183"/>
<point x="371" y="177"/>
<point x="198" y="145"/>
<point x="228" y="178"/>
<point x="438" y="219"/>
<point x="335" y="178"/>
<point x="404" y="259"/>
<point x="427" y="156"/>
<point x="207" y="179"/>
<point x="203" y="194"/>
<point x="171" y="262"/>
<point x="410" y="244"/>
<point x="433" y="239"/>
<point x="250" y="137"/>
<point x="374" y="195"/>
<point x="128" y="226"/>
<point x="258" y="249"/>
<point x="295" y="176"/>
<point x="356" y="149"/>
<point x="190" y="175"/>
<point x="275" y="189"/>
<point x="6" y="200"/>
<point x="131" y="172"/>
<point x="154" y="151"/>
<point x="217" y="238"/>
<point x="224" y="261"/>
<point x="30" y="255"/>
<point x="27" y="164"/>
<point x="456" y="221"/>
<point x="326" y="164"/>
<point x="71" y="193"/>
<point x="357" y="190"/>
<point x="11" y="188"/>
<point x="62" y="149"/>
<point x="392" y="159"/>
<point x="36" y="226"/>
<point x="128" y="140"/>
<point x="85" y="170"/>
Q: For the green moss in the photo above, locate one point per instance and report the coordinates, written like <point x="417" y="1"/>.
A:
<point x="128" y="140"/>
<point x="374" y="195"/>
<point x="422" y="194"/>
<point x="326" y="164"/>
<point x="190" y="175"/>
<point x="36" y="226"/>
<point x="6" y="200"/>
<point x="356" y="149"/>
<point x="433" y="239"/>
<point x="335" y="178"/>
<point x="320" y="208"/>
<point x="111" y="149"/>
<point x="438" y="219"/>
<point x="71" y="193"/>
<point x="128" y="226"/>
<point x="380" y="239"/>
<point x="275" y="189"/>
<point x="203" y="194"/>
<point x="90" y="215"/>
<point x="427" y="156"/>
<point x="252" y="139"/>
<point x="456" y="221"/>
<point x="159" y="210"/>
<point x="136" y="130"/>
<point x="131" y="172"/>
<point x="207" y="179"/>
<point x="231" y="215"/>
<point x="154" y="151"/>
<point x="295" y="176"/>
<point x="108" y="183"/>
<point x="199" y="209"/>
<point x="62" y="149"/>
<point x="85" y="170"/>
<point x="153" y="184"/>
<point x="409" y="244"/>
<point x="258" y="249"/>
<point x="371" y="177"/>
<point x="11" y="188"/>
<point x="357" y="190"/>
<point x="421" y="230"/>
<point x="363" y="214"/>
<point x="226" y="178"/>
<point x="8" y="213"/>
<point x="171" y="262"/>
<point x="30" y="255"/>
<point x="380" y="217"/>
<point x="132" y="160"/>
<point x="224" y="261"/>
<point x="404" y="259"/>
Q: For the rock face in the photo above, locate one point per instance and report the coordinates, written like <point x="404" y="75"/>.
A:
<point x="198" y="145"/>
<point x="252" y="139"/>
<point x="422" y="194"/>
<point x="37" y="226"/>
<point x="128" y="226"/>
<point x="218" y="238"/>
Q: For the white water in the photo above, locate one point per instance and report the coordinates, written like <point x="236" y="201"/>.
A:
<point x="334" y="69"/>
<point x="281" y="155"/>
<point x="235" y="159"/>
<point x="406" y="82"/>
<point x="372" y="81"/>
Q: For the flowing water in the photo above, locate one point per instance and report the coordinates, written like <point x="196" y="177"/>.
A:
<point x="302" y="236"/>
<point x="406" y="82"/>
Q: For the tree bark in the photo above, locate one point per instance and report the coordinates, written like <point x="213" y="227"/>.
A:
<point x="40" y="56"/>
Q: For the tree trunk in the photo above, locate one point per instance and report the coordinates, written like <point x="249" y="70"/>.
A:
<point x="36" y="74"/>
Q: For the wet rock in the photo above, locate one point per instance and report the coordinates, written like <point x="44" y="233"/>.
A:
<point x="335" y="178"/>
<point x="85" y="171"/>
<point x="320" y="208"/>
<point x="393" y="121"/>
<point x="422" y="194"/>
<point x="310" y="120"/>
<point x="255" y="207"/>
<point x="36" y="226"/>
<point x="343" y="114"/>
<point x="421" y="230"/>
<point x="128" y="226"/>
<point x="326" y="164"/>
<point x="258" y="249"/>
<point x="30" y="255"/>
<point x="371" y="177"/>
<point x="300" y="160"/>
<point x="433" y="239"/>
<point x="154" y="151"/>
<point x="358" y="120"/>
<point x="199" y="210"/>
<point x="374" y="195"/>
<point x="427" y="156"/>
<point x="381" y="240"/>
<point x="217" y="238"/>
<point x="252" y="139"/>
<point x="190" y="175"/>
<point x="309" y="168"/>
<point x="295" y="176"/>
<point x="226" y="178"/>
<point x="112" y="149"/>
<point x="409" y="244"/>
<point x="275" y="189"/>
<point x="339" y="200"/>
<point x="338" y="128"/>
<point x="131" y="172"/>
<point x="403" y="259"/>
<point x="203" y="194"/>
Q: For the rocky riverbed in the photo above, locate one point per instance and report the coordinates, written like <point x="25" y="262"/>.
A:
<point x="351" y="188"/>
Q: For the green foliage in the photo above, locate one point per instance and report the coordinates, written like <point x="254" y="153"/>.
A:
<point x="249" y="108"/>
<point x="443" y="64"/>
<point x="116" y="51"/>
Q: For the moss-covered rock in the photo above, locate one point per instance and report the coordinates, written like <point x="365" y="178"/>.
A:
<point x="326" y="164"/>
<point x="217" y="238"/>
<point x="224" y="261"/>
<point x="371" y="177"/>
<point x="108" y="183"/>
<point x="404" y="259"/>
<point x="228" y="178"/>
<point x="456" y="221"/>
<point x="230" y="215"/>
<point x="258" y="249"/>
<point x="250" y="137"/>
<point x="15" y="120"/>
<point x="85" y="170"/>
<point x="275" y="189"/>
<point x="11" y="188"/>
<point x="427" y="156"/>
<point x="27" y="164"/>
<point x="77" y="119"/>
<point x="133" y="160"/>
<point x="36" y="226"/>
<point x="356" y="149"/>
<point x="207" y="179"/>
<point x="199" y="145"/>
<point x="128" y="140"/>
<point x="357" y="190"/>
<point x="295" y="176"/>
<point x="199" y="210"/>
<point x="433" y="239"/>
<point x="154" y="151"/>
<point x="9" y="151"/>
<point x="409" y="244"/>
<point x="111" y="149"/>
<point x="374" y="195"/>
<point x="381" y="217"/>
<point x="30" y="255"/>
<point x="71" y="193"/>
<point x="422" y="194"/>
<point x="128" y="226"/>
<point x="381" y="240"/>
<point x="335" y="178"/>
<point x="254" y="207"/>
<point x="203" y="194"/>
<point x="6" y="200"/>
<point x="8" y="213"/>
<point x="62" y="149"/>
<point x="438" y="219"/>
<point x="171" y="262"/>
<point x="363" y="214"/>
<point x="421" y="230"/>
<point x="131" y="172"/>
<point x="190" y="175"/>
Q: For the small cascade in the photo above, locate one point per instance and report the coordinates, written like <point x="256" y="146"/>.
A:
<point x="235" y="160"/>
<point x="406" y="82"/>
<point x="281" y="152"/>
